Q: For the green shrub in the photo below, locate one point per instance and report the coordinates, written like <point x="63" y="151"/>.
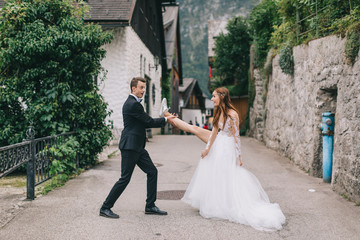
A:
<point x="251" y="95"/>
<point x="285" y="32"/>
<point x="286" y="60"/>
<point x="349" y="27"/>
<point x="48" y="62"/>
<point x="347" y="23"/>
<point x="63" y="157"/>
<point x="62" y="163"/>
<point x="352" y="46"/>
<point x="251" y="91"/>
<point x="263" y="19"/>
<point x="325" y="18"/>
<point x="268" y="63"/>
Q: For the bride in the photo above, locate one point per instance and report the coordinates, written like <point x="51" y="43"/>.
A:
<point x="220" y="187"/>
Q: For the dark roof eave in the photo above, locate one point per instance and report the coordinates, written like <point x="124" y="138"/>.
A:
<point x="188" y="91"/>
<point x="179" y="49"/>
<point x="109" y="23"/>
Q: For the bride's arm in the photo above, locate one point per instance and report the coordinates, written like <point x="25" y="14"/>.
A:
<point x="212" y="137"/>
<point x="234" y="121"/>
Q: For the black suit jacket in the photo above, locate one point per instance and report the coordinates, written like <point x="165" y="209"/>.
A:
<point x="136" y="120"/>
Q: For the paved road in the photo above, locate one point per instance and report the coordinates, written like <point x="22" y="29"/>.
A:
<point x="71" y="212"/>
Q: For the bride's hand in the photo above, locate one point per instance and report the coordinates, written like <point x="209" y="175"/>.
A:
<point x="204" y="153"/>
<point x="238" y="161"/>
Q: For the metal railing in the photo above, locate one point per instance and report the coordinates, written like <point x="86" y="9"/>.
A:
<point x="13" y="156"/>
<point x="310" y="22"/>
<point x="34" y="153"/>
<point x="313" y="7"/>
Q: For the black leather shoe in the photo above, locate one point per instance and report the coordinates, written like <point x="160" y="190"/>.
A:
<point x="104" y="212"/>
<point x="154" y="210"/>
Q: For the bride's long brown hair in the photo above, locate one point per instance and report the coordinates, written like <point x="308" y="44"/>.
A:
<point x="224" y="105"/>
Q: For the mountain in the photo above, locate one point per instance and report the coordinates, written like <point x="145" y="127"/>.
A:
<point x="194" y="16"/>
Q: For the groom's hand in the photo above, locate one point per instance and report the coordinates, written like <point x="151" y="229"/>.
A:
<point x="170" y="118"/>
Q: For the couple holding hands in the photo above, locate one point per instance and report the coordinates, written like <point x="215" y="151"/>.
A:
<point x="220" y="187"/>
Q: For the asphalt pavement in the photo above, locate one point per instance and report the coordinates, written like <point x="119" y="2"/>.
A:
<point x="72" y="211"/>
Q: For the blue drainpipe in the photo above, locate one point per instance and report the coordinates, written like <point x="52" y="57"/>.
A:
<point x="327" y="130"/>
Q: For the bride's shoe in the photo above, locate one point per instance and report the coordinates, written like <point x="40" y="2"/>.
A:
<point x="163" y="107"/>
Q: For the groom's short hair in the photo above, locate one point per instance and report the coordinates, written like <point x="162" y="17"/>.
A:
<point x="134" y="82"/>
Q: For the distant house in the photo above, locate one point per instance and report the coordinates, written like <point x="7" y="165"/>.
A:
<point x="209" y="106"/>
<point x="192" y="102"/>
<point x="138" y="49"/>
<point x="173" y="51"/>
<point x="215" y="28"/>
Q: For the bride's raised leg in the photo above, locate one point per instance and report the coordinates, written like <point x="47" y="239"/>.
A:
<point x="201" y="133"/>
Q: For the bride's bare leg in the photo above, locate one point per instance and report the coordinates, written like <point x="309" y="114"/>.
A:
<point x="201" y="133"/>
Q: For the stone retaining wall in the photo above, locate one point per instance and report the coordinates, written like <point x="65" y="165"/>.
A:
<point x="289" y="123"/>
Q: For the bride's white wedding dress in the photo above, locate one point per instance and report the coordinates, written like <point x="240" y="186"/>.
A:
<point x="221" y="189"/>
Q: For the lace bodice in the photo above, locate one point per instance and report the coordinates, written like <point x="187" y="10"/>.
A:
<point x="230" y="126"/>
<point x="231" y="129"/>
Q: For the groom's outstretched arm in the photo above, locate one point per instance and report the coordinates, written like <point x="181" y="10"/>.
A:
<point x="137" y="111"/>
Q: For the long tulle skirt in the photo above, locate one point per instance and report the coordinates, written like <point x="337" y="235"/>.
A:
<point x="221" y="189"/>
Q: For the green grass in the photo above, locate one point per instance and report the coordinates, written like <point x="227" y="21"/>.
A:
<point x="113" y="154"/>
<point x="19" y="180"/>
<point x="344" y="195"/>
<point x="14" y="180"/>
<point x="57" y="181"/>
<point x="54" y="182"/>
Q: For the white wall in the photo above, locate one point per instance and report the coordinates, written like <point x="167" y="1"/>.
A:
<point x="122" y="63"/>
<point x="192" y="114"/>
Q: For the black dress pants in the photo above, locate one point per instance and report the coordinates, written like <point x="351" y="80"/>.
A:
<point x="128" y="161"/>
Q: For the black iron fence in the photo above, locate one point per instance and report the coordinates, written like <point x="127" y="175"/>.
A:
<point x="35" y="154"/>
<point x="310" y="22"/>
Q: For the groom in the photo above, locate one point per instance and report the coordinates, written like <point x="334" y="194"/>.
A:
<point x="132" y="147"/>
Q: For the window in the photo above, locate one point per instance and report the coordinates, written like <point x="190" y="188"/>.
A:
<point x="140" y="64"/>
<point x="144" y="66"/>
<point x="153" y="93"/>
<point x="147" y="94"/>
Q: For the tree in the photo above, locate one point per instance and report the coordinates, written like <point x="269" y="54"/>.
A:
<point x="48" y="63"/>
<point x="263" y="18"/>
<point x="232" y="55"/>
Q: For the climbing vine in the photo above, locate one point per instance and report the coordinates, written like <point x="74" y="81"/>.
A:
<point x="286" y="59"/>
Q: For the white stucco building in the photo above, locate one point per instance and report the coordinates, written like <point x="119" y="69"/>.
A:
<point x="128" y="57"/>
<point x="137" y="49"/>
